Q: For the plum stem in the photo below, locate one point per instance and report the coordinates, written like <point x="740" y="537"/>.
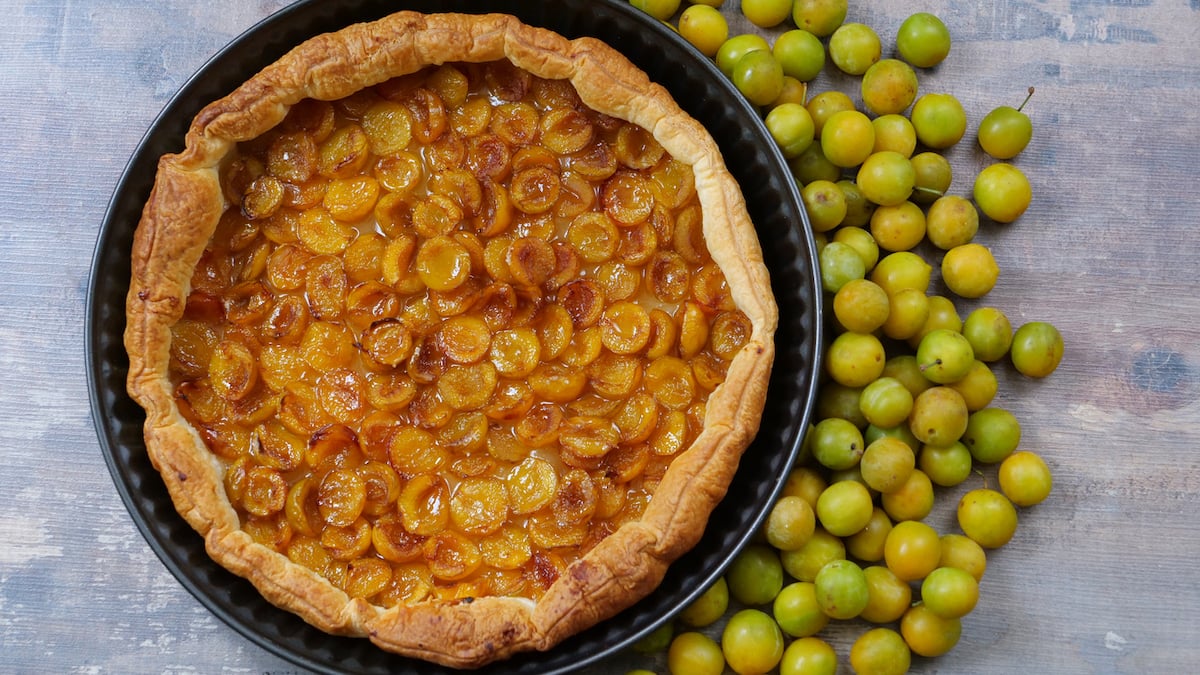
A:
<point x="1022" y="106"/>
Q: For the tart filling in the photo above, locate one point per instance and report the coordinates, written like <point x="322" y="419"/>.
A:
<point x="450" y="333"/>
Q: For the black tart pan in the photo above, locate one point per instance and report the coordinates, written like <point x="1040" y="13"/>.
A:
<point x="775" y="207"/>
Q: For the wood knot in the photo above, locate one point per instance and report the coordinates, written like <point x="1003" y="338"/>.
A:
<point x="1162" y="379"/>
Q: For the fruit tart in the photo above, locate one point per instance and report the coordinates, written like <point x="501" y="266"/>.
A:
<point x="450" y="333"/>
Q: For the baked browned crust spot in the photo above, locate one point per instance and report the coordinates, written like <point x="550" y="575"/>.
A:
<point x="183" y="211"/>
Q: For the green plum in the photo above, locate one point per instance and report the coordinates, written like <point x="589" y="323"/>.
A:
<point x="1006" y="131"/>
<point x="800" y="53"/>
<point x="939" y="120"/>
<point x="819" y="17"/>
<point x="792" y="128"/>
<point x="1002" y="192"/>
<point x="736" y="47"/>
<point x="923" y="40"/>
<point x="758" y="76"/>
<point x="945" y="356"/>
<point x="1037" y="349"/>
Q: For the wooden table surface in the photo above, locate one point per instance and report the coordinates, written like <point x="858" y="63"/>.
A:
<point x="1102" y="578"/>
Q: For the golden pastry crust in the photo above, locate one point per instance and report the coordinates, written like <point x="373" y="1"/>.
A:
<point x="183" y="211"/>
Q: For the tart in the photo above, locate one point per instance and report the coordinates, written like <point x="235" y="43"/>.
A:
<point x="450" y="333"/>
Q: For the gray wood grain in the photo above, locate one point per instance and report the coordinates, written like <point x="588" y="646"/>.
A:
<point x="1100" y="579"/>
